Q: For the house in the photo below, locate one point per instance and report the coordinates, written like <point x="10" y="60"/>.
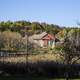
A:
<point x="43" y="40"/>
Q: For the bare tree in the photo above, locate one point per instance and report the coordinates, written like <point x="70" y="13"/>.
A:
<point x="70" y="49"/>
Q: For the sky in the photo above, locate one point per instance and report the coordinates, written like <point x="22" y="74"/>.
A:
<point x="60" y="12"/>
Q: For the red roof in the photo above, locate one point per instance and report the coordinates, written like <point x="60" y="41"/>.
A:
<point x="48" y="37"/>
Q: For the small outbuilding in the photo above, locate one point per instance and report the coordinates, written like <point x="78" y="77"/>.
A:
<point x="43" y="40"/>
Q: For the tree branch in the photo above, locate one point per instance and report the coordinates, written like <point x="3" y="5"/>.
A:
<point x="76" y="60"/>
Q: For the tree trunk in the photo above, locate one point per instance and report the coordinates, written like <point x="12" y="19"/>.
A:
<point x="67" y="76"/>
<point x="67" y="66"/>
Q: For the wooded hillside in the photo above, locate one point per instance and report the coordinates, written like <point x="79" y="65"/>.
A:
<point x="12" y="33"/>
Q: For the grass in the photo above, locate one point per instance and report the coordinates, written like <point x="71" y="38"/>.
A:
<point x="32" y="58"/>
<point x="31" y="78"/>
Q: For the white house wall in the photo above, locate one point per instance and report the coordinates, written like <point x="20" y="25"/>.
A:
<point x="39" y="43"/>
<point x="53" y="44"/>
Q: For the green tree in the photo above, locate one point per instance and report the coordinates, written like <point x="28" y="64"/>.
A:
<point x="36" y="27"/>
